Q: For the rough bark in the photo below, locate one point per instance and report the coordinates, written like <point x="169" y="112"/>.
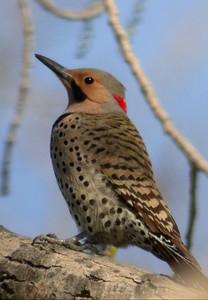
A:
<point x="54" y="272"/>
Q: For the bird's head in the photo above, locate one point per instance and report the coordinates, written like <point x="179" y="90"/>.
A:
<point x="89" y="90"/>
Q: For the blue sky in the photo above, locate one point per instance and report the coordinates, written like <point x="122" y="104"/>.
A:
<point x="172" y="45"/>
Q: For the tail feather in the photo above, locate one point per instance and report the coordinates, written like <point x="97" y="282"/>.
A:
<point x="183" y="264"/>
<point x="188" y="271"/>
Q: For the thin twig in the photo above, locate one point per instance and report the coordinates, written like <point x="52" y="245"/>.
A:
<point x="23" y="90"/>
<point x="189" y="150"/>
<point x="89" y="13"/>
<point x="85" y="40"/>
<point x="135" y="18"/>
<point x="193" y="207"/>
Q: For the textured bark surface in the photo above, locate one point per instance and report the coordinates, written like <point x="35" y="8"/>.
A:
<point x="54" y="272"/>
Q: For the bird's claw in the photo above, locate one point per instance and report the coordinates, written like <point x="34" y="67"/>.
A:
<point x="49" y="238"/>
<point x="71" y="243"/>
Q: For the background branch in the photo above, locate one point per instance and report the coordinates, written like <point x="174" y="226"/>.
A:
<point x="189" y="150"/>
<point x="192" y="207"/>
<point x="89" y="13"/>
<point x="23" y="91"/>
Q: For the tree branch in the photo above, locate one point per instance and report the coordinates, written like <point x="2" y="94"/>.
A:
<point x="23" y="91"/>
<point x="51" y="271"/>
<point x="189" y="150"/>
<point x="193" y="207"/>
<point x="89" y="13"/>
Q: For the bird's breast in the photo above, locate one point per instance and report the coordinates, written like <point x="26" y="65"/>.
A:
<point x="76" y="167"/>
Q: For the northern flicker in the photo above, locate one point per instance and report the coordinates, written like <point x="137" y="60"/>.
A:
<point x="105" y="175"/>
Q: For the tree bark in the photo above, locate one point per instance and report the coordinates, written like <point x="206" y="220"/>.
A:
<point x="46" y="271"/>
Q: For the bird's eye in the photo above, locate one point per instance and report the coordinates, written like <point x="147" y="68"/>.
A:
<point x="88" y="80"/>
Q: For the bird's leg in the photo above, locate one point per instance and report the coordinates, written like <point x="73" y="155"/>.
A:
<point x="71" y="243"/>
<point x="79" y="243"/>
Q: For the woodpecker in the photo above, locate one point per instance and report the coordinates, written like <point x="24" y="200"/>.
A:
<point x="105" y="174"/>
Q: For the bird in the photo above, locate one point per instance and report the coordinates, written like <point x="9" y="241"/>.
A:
<point x="104" y="172"/>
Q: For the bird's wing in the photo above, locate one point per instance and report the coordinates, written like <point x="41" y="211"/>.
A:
<point x="143" y="196"/>
<point x="129" y="170"/>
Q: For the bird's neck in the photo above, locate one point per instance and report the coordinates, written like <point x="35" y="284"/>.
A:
<point x="87" y="106"/>
<point x="91" y="107"/>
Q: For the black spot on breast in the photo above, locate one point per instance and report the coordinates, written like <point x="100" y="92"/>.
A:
<point x="112" y="211"/>
<point x="85" y="208"/>
<point x="90" y="229"/>
<point x="123" y="221"/>
<point x="73" y="196"/>
<point x="92" y="202"/>
<point x="107" y="223"/>
<point x="101" y="215"/>
<point x="83" y="197"/>
<point x="86" y="183"/>
<point x="119" y="210"/>
<point x="104" y="200"/>
<point x="81" y="178"/>
<point x="118" y="222"/>
<point x="78" y="202"/>
<point x="88" y="219"/>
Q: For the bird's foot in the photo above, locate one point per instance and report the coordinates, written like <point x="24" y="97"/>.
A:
<point x="71" y="243"/>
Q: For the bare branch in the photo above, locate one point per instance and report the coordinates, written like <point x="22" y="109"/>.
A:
<point x="48" y="271"/>
<point x="189" y="150"/>
<point x="193" y="207"/>
<point x="23" y="90"/>
<point x="88" y="13"/>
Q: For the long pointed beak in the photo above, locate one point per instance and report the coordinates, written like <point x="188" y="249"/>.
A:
<point x="59" y="70"/>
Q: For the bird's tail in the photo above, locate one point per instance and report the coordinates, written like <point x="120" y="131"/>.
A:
<point x="184" y="265"/>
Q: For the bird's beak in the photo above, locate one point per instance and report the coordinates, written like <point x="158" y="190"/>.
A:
<point x="59" y="70"/>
